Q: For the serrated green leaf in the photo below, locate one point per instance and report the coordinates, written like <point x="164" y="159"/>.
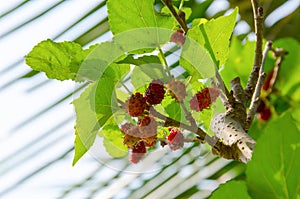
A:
<point x="113" y="140"/>
<point x="86" y="123"/>
<point x="59" y="60"/>
<point x="132" y="14"/>
<point x="231" y="189"/>
<point x="215" y="35"/>
<point x="273" y="171"/>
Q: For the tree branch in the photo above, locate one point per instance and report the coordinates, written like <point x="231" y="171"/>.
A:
<point x="258" y="21"/>
<point x="179" y="18"/>
<point x="256" y="95"/>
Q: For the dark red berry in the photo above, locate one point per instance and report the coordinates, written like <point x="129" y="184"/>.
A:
<point x="176" y="139"/>
<point x="265" y="115"/>
<point x="204" y="99"/>
<point x="148" y="126"/>
<point x="178" y="37"/>
<point x="135" y="105"/>
<point x="176" y="89"/>
<point x="267" y="82"/>
<point x="261" y="107"/>
<point x="138" y="152"/>
<point x="155" y="92"/>
<point x="130" y="141"/>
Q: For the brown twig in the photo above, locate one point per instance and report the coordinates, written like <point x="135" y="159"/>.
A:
<point x="256" y="95"/>
<point x="180" y="19"/>
<point x="258" y="21"/>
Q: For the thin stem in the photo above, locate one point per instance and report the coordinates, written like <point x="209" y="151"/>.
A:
<point x="258" y="22"/>
<point x="181" y="4"/>
<point x="165" y="63"/>
<point x="256" y="95"/>
<point x="179" y="19"/>
<point x="188" y="116"/>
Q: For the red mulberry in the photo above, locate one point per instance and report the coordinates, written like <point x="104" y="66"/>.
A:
<point x="138" y="152"/>
<point x="176" y="139"/>
<point x="148" y="126"/>
<point x="204" y="98"/>
<point x="176" y="89"/>
<point x="155" y="92"/>
<point x="135" y="105"/>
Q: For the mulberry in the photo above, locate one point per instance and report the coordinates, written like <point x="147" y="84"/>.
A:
<point x="155" y="92"/>
<point x="138" y="152"/>
<point x="178" y="37"/>
<point x="135" y="105"/>
<point x="204" y="98"/>
<point x="176" y="139"/>
<point x="176" y="89"/>
<point x="148" y="126"/>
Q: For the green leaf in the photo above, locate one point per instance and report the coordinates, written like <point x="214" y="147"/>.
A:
<point x="94" y="107"/>
<point x="196" y="60"/>
<point x="86" y="127"/>
<point x="59" y="60"/>
<point x="133" y="14"/>
<point x="102" y="57"/>
<point x="144" y="74"/>
<point x="288" y="80"/>
<point x="231" y="189"/>
<point x="113" y="141"/>
<point x="273" y="171"/>
<point x="147" y="59"/>
<point x="80" y="148"/>
<point x="173" y="109"/>
<point x="215" y="36"/>
<point x="239" y="62"/>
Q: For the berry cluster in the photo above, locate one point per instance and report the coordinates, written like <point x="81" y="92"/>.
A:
<point x="203" y="99"/>
<point x="137" y="137"/>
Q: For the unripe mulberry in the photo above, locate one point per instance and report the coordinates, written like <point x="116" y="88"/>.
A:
<point x="204" y="99"/>
<point x="148" y="126"/>
<point x="138" y="152"/>
<point x="155" y="92"/>
<point x="176" y="139"/>
<point x="135" y="105"/>
<point x="176" y="89"/>
<point x="178" y="37"/>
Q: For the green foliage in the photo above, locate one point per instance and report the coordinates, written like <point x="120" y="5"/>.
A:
<point x="239" y="62"/>
<point x="59" y="60"/>
<point x="215" y="35"/>
<point x="273" y="171"/>
<point x="142" y="15"/>
<point x="139" y="29"/>
<point x="231" y="189"/>
<point x="86" y="123"/>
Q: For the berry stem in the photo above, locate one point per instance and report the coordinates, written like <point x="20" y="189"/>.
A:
<point x="164" y="62"/>
<point x="181" y="22"/>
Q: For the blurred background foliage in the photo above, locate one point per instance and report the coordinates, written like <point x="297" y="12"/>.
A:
<point x="28" y="166"/>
